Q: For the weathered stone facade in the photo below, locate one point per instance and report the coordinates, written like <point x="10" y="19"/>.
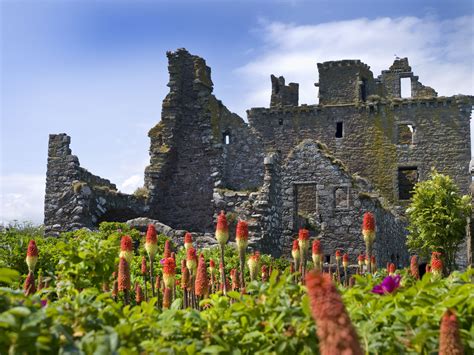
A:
<point x="320" y="166"/>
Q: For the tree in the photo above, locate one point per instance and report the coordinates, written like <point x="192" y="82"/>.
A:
<point x="438" y="217"/>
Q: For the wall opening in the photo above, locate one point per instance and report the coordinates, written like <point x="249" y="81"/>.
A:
<point x="339" y="129"/>
<point x="226" y="138"/>
<point x="341" y="197"/>
<point x="407" y="178"/>
<point x="405" y="87"/>
<point x="280" y="121"/>
<point x="405" y="134"/>
<point x="363" y="90"/>
<point x="327" y="258"/>
<point x="306" y="206"/>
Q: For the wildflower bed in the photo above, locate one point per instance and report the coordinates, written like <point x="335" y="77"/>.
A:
<point x="74" y="312"/>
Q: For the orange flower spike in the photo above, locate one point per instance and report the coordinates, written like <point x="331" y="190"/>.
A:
<point x="414" y="267"/>
<point x="338" y="256"/>
<point x="185" y="278"/>
<point x="139" y="298"/>
<point x="151" y="241"/>
<point x="373" y="263"/>
<point x="234" y="278"/>
<point x="242" y="235"/>
<point x="316" y="253"/>
<point x="32" y="255"/>
<point x="157" y="282"/>
<point x="191" y="261"/>
<point x="391" y="269"/>
<point x="123" y="275"/>
<point x="449" y="337"/>
<point x="188" y="241"/>
<point x="252" y="263"/>
<point x="143" y="266"/>
<point x="368" y="227"/>
<point x="334" y="328"/>
<point x="222" y="229"/>
<point x="295" y="251"/>
<point x="212" y="267"/>
<point x="166" y="298"/>
<point x="303" y="239"/>
<point x="167" y="250"/>
<point x="29" y="286"/>
<point x="360" y="260"/>
<point x="126" y="248"/>
<point x="201" y="285"/>
<point x="169" y="271"/>
<point x="345" y="261"/>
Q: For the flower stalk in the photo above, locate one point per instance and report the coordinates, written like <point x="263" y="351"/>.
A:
<point x="222" y="236"/>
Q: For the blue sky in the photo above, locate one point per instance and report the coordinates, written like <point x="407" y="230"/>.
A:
<point x="97" y="70"/>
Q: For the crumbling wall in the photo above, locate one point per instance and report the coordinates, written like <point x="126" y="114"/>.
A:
<point x="390" y="80"/>
<point x="344" y="82"/>
<point x="283" y="95"/>
<point x="369" y="144"/>
<point x="75" y="198"/>
<point x="340" y="201"/>
<point x="189" y="156"/>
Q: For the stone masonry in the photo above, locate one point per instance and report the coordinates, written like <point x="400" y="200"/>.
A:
<point x="362" y="148"/>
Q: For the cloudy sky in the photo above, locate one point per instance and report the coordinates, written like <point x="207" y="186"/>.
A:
<point x="97" y="70"/>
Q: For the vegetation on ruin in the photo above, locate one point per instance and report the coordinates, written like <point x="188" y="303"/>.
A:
<point x="438" y="217"/>
<point x="77" y="308"/>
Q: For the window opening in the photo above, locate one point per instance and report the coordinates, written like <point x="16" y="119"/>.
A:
<point x="339" y="129"/>
<point x="405" y="87"/>
<point x="327" y="258"/>
<point x="280" y="121"/>
<point x="405" y="134"/>
<point x="363" y="90"/>
<point x="407" y="178"/>
<point x="226" y="138"/>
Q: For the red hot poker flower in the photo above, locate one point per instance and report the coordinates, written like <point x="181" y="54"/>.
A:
<point x="368" y="227"/>
<point x="191" y="260"/>
<point x="242" y="235"/>
<point x="449" y="337"/>
<point x="295" y="250"/>
<point x="151" y="241"/>
<point x="303" y="239"/>
<point x="167" y="251"/>
<point x="139" y="297"/>
<point x="360" y="260"/>
<point x="316" y="248"/>
<point x="123" y="275"/>
<point x="126" y="248"/>
<point x="391" y="268"/>
<point x="345" y="260"/>
<point x="169" y="271"/>
<point x="338" y="255"/>
<point x="201" y="286"/>
<point x="212" y="267"/>
<point x="334" y="328"/>
<point x="185" y="279"/>
<point x="143" y="266"/>
<point x="29" y="286"/>
<point x="222" y="229"/>
<point x="264" y="273"/>
<point x="167" y="298"/>
<point x="32" y="255"/>
<point x="188" y="240"/>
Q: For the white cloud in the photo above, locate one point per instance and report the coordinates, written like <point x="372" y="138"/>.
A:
<point x="440" y="53"/>
<point x="131" y="184"/>
<point x="22" y="198"/>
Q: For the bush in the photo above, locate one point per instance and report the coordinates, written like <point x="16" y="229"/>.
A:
<point x="438" y="218"/>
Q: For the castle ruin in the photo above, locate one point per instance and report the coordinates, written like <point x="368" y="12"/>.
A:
<point x="362" y="148"/>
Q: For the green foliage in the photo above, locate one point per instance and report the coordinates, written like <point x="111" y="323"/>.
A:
<point x="272" y="317"/>
<point x="437" y="216"/>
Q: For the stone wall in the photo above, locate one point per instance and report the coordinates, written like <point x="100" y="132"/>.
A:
<point x="199" y="145"/>
<point x="283" y="95"/>
<point x="75" y="198"/>
<point x="369" y="145"/>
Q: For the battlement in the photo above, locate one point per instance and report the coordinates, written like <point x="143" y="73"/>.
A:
<point x="342" y="63"/>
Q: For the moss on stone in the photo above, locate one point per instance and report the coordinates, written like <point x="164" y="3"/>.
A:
<point x="77" y="186"/>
